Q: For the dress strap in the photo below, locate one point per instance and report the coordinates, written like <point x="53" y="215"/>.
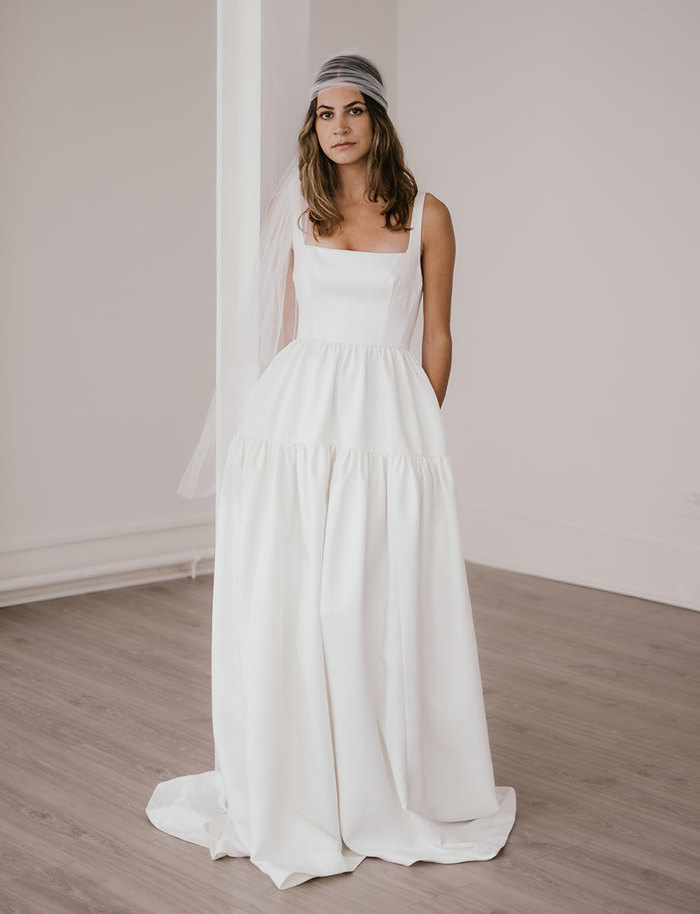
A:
<point x="417" y="223"/>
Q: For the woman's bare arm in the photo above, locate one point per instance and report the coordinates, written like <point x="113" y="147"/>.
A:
<point x="437" y="261"/>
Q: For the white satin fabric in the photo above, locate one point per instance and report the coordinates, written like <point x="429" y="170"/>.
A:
<point x="347" y="703"/>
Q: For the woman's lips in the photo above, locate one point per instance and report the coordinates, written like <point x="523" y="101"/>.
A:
<point x="342" y="145"/>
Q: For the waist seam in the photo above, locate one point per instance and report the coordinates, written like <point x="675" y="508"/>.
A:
<point x="332" y="342"/>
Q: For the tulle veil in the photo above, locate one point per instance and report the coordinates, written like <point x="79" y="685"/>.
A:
<point x="270" y="303"/>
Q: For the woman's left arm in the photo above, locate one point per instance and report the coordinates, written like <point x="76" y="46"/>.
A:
<point x="437" y="263"/>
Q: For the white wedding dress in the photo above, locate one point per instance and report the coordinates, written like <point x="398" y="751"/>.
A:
<point x="347" y="702"/>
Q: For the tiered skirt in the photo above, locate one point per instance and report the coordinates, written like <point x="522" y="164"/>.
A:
<point x="347" y="702"/>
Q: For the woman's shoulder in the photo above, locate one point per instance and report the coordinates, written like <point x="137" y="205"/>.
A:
<point x="434" y="206"/>
<point x="437" y="221"/>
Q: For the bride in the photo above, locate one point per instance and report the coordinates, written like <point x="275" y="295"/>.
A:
<point x="347" y="704"/>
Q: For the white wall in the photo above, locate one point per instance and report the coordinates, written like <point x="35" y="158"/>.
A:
<point x="565" y="140"/>
<point x="107" y="285"/>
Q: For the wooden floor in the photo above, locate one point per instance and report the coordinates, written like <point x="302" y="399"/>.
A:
<point x="592" y="704"/>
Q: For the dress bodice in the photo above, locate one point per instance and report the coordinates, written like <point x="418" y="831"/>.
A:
<point x="358" y="296"/>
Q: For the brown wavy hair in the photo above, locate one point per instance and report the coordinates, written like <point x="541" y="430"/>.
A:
<point x="387" y="173"/>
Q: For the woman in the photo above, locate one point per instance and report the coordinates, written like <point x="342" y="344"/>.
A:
<point x="347" y="702"/>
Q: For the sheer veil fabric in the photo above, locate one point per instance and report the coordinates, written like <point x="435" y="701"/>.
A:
<point x="263" y="317"/>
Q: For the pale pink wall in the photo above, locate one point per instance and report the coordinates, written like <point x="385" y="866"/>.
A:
<point x="108" y="282"/>
<point x="564" y="137"/>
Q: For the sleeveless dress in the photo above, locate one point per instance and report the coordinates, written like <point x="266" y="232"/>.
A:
<point x="347" y="702"/>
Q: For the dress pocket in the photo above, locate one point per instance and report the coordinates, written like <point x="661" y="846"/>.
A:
<point x="428" y="384"/>
<point x="424" y="379"/>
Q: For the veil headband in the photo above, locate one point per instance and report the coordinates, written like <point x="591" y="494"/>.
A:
<point x="353" y="71"/>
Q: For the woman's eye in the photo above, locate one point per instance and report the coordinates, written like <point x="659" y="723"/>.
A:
<point x="323" y="114"/>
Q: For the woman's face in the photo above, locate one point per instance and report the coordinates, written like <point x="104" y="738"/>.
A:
<point x="342" y="118"/>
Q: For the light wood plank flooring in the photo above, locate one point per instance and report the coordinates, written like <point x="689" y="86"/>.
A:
<point x="592" y="703"/>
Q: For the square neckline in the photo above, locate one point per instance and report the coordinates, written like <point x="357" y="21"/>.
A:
<point x="321" y="247"/>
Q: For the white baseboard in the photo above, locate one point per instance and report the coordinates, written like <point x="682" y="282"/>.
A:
<point x="89" y="561"/>
<point x="657" y="570"/>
